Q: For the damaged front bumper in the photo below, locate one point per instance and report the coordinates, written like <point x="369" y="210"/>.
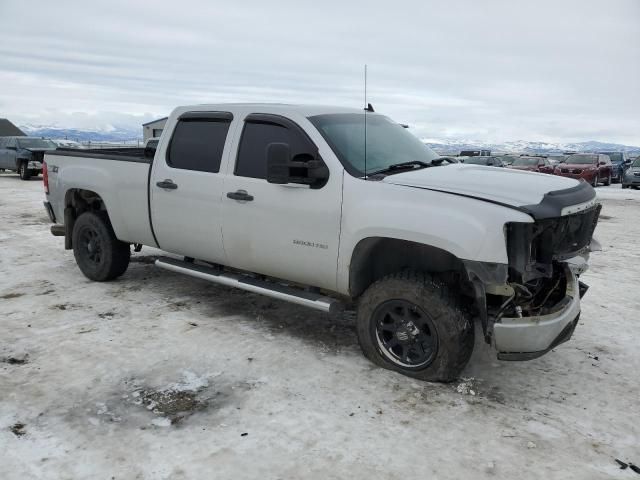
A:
<point x="526" y="338"/>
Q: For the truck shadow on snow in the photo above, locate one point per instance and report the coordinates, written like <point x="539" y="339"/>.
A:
<point x="329" y="334"/>
<point x="485" y="376"/>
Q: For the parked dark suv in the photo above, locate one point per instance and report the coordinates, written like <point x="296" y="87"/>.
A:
<point x="591" y="167"/>
<point x="24" y="154"/>
<point x="618" y="160"/>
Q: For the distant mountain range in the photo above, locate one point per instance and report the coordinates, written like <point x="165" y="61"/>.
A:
<point x="120" y="134"/>
<point x="522" y="146"/>
<point x="106" y="134"/>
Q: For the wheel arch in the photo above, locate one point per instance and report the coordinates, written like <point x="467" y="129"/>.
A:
<point x="76" y="202"/>
<point x="376" y="257"/>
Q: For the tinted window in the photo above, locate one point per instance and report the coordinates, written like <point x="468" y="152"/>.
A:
<point x="198" y="145"/>
<point x="252" y="155"/>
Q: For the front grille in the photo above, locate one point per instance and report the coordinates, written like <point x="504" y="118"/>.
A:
<point x="533" y="248"/>
<point x="564" y="170"/>
<point x="577" y="171"/>
<point x="561" y="238"/>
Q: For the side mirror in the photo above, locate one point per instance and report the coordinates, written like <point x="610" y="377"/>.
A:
<point x="307" y="169"/>
<point x="278" y="157"/>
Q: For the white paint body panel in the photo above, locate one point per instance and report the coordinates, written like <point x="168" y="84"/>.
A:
<point x="201" y="222"/>
<point x="121" y="185"/>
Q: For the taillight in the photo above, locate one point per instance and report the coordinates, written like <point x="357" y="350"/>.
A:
<point x="45" y="178"/>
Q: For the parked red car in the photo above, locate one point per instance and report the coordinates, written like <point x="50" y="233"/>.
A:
<point x="591" y="167"/>
<point x="532" y="164"/>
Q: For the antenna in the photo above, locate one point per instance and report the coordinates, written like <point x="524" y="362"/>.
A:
<point x="366" y="109"/>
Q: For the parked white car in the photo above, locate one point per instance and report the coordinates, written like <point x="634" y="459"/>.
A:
<point x="287" y="201"/>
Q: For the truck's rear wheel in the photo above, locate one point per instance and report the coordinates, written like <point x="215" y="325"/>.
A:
<point x="99" y="254"/>
<point x="23" y="170"/>
<point x="410" y="323"/>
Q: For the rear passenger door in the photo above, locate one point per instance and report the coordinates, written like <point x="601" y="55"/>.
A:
<point x="186" y="186"/>
<point x="288" y="231"/>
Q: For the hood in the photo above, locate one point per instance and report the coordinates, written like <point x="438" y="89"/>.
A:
<point x="502" y="185"/>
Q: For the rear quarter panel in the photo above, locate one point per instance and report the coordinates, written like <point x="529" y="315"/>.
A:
<point x="122" y="185"/>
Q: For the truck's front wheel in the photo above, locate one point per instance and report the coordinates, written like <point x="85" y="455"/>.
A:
<point x="413" y="324"/>
<point x="99" y="254"/>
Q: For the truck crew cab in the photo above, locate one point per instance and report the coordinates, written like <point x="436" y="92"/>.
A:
<point x="306" y="204"/>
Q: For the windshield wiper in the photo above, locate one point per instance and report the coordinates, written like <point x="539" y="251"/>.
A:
<point x="395" y="167"/>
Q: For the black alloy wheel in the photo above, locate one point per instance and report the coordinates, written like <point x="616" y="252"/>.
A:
<point x="405" y="334"/>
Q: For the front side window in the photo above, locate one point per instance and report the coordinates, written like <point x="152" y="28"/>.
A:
<point x="387" y="142"/>
<point x="198" y="144"/>
<point x="256" y="136"/>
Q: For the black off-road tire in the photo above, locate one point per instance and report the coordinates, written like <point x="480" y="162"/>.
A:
<point x="23" y="171"/>
<point x="99" y="254"/>
<point x="454" y="330"/>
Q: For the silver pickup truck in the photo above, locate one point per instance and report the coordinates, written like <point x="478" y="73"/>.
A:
<point x="294" y="203"/>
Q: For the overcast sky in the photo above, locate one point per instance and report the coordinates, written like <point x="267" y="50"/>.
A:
<point x="487" y="70"/>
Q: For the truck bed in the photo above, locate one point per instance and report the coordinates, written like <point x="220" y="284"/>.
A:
<point x="125" y="154"/>
<point x="119" y="176"/>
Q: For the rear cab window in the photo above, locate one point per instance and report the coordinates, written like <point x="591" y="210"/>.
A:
<point x="198" y="141"/>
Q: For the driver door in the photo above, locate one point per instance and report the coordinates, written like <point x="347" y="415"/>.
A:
<point x="288" y="231"/>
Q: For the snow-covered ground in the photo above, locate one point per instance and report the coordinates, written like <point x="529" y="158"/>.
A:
<point x="160" y="376"/>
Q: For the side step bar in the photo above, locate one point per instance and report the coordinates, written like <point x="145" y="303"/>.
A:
<point x="245" y="282"/>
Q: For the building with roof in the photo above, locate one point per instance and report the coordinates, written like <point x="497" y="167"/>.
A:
<point x="153" y="129"/>
<point x="8" y="129"/>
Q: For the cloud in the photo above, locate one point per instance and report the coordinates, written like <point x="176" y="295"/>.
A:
<point x="494" y="70"/>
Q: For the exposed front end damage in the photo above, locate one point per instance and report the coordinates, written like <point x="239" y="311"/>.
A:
<point x="533" y="303"/>
<point x="542" y="308"/>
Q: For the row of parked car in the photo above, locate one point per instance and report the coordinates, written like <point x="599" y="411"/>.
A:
<point x="25" y="155"/>
<point x="594" y="168"/>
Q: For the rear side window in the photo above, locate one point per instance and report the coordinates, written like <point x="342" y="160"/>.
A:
<point x="252" y="154"/>
<point x="197" y="144"/>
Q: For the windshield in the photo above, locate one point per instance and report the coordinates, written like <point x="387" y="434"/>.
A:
<point x="616" y="157"/>
<point x="388" y="143"/>
<point x="35" y="143"/>
<point x="525" y="162"/>
<point x="636" y="162"/>
<point x="581" y="159"/>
